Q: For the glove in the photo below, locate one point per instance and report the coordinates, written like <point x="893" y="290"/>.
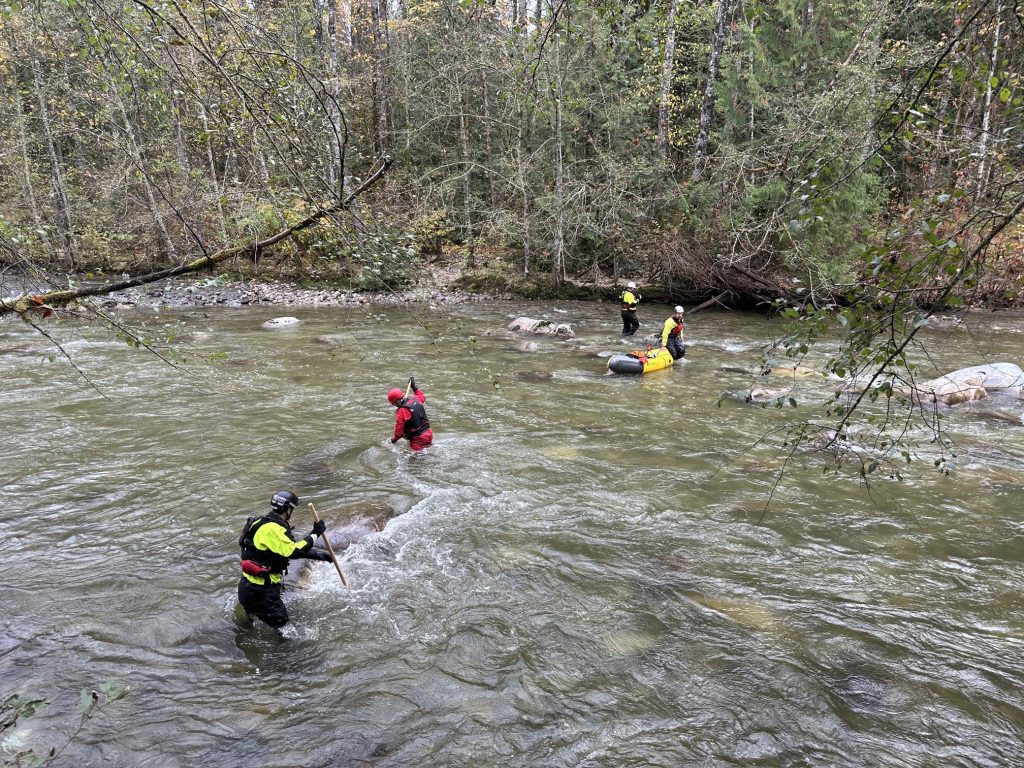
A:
<point x="318" y="528"/>
<point x="412" y="383"/>
<point x="320" y="554"/>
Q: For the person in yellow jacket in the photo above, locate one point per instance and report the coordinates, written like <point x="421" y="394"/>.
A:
<point x="267" y="546"/>
<point x="672" y="335"/>
<point x="630" y="299"/>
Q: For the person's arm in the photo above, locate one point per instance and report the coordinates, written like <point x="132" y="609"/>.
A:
<point x="420" y="396"/>
<point x="669" y="324"/>
<point x="401" y="416"/>
<point x="275" y="538"/>
<point x="314" y="554"/>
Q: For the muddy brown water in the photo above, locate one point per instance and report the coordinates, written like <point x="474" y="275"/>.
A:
<point x="574" y="575"/>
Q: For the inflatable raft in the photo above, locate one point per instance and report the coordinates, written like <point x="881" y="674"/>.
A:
<point x="639" y="361"/>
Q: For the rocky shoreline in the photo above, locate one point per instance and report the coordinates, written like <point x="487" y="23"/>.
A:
<point x="216" y="292"/>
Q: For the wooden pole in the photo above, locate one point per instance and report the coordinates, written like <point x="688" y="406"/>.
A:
<point x="330" y="549"/>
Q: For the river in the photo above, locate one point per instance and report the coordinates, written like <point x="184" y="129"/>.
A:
<point x="584" y="570"/>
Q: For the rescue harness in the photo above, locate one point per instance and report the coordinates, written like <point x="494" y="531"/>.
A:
<point x="418" y="423"/>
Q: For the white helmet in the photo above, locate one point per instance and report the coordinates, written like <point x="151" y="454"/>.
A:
<point x="631" y="285"/>
<point x="679" y="310"/>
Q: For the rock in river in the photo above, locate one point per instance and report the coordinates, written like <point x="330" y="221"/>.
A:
<point x="281" y="322"/>
<point x="542" y="327"/>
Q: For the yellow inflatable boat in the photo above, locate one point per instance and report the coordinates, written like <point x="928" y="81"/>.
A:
<point x="640" y="361"/>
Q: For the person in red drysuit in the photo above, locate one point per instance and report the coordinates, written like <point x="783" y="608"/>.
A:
<point x="411" y="420"/>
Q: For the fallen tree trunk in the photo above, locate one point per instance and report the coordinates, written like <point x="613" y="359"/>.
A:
<point x="46" y="302"/>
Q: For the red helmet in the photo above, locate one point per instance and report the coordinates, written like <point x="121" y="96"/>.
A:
<point x="395" y="395"/>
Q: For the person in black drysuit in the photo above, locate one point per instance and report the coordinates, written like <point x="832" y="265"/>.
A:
<point x="267" y="546"/>
<point x="630" y="300"/>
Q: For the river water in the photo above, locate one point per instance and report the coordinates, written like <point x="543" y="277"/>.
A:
<point x="584" y="570"/>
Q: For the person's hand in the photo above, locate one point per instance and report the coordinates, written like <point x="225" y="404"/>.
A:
<point x="412" y="383"/>
<point x="394" y="440"/>
<point x="319" y="527"/>
<point x="322" y="555"/>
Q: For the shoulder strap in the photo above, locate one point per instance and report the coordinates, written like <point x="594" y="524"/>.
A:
<point x="252" y="524"/>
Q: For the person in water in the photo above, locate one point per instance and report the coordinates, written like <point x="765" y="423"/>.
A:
<point x="672" y="335"/>
<point x="411" y="420"/>
<point x="630" y="299"/>
<point x="267" y="546"/>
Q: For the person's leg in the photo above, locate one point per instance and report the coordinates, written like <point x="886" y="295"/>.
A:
<point x="634" y="323"/>
<point x="274" y="612"/>
<point x="419" y="442"/>
<point x="625" y="323"/>
<point x="675" y="347"/>
<point x="263" y="602"/>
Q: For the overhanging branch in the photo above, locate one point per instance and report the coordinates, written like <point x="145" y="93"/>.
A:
<point x="48" y="301"/>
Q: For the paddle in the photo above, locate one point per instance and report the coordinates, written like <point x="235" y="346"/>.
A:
<point x="330" y="549"/>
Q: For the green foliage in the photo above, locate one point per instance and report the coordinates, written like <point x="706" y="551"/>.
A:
<point x="431" y="231"/>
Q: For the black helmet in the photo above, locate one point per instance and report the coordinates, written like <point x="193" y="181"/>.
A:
<point x="283" y="501"/>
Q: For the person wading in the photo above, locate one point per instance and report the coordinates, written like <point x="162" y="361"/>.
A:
<point x="267" y="546"/>
<point x="672" y="335"/>
<point x="630" y="299"/>
<point x="411" y="420"/>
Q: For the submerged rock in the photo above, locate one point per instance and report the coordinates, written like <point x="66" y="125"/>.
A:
<point x="331" y="339"/>
<point x="371" y="520"/>
<point x="759" y="395"/>
<point x="534" y="375"/>
<point x="777" y="367"/>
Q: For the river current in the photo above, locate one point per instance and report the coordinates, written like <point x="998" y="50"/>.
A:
<point x="584" y="570"/>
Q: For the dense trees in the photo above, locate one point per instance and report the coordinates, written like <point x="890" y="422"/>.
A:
<point x="756" y="147"/>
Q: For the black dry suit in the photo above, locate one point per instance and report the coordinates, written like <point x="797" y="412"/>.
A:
<point x="417" y="423"/>
<point x="261" y="563"/>
<point x="259" y="589"/>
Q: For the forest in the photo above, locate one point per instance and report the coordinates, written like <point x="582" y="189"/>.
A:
<point x="808" y="152"/>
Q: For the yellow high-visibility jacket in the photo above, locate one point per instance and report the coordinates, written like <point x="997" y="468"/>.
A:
<point x="274" y="537"/>
<point x="671" y="328"/>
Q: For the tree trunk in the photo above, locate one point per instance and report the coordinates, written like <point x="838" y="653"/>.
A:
<point x="986" y="114"/>
<point x="467" y="219"/>
<point x="62" y="209"/>
<point x="667" y="68"/>
<point x="135" y="153"/>
<point x="25" y="182"/>
<point x="938" y="152"/>
<point x="382" y="97"/>
<point x="335" y="171"/>
<point x="558" y="267"/>
<point x="700" y="152"/>
<point x="488" y="141"/>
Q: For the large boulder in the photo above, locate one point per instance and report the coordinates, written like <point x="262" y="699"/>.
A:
<point x="542" y="327"/>
<point x="972" y="383"/>
<point x="281" y="322"/>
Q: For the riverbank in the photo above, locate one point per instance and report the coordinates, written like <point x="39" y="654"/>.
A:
<point x="217" y="292"/>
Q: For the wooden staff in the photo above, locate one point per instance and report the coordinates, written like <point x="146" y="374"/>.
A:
<point x="330" y="549"/>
